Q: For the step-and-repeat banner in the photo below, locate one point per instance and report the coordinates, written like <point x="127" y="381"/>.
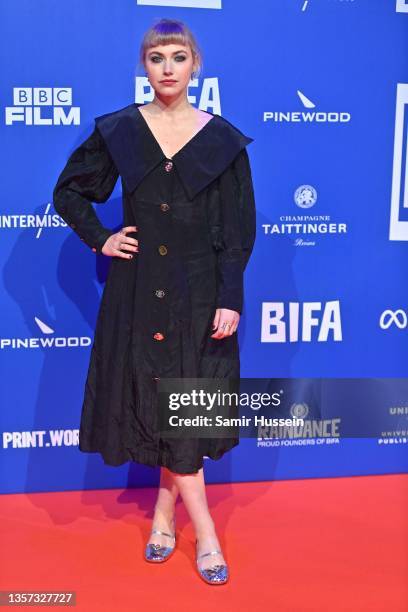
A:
<point x="322" y="88"/>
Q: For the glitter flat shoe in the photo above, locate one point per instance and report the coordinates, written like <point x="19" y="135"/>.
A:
<point x="157" y="553"/>
<point x="215" y="574"/>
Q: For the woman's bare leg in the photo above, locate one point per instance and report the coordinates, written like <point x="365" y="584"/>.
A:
<point x="193" y="493"/>
<point x="164" y="508"/>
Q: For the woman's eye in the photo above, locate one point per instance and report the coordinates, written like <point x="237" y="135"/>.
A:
<point x="157" y="58"/>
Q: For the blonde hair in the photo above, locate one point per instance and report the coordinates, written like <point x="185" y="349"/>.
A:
<point x="168" y="31"/>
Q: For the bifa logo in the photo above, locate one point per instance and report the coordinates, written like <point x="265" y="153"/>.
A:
<point x="399" y="191"/>
<point x="47" y="340"/>
<point x="211" y="4"/>
<point x="401" y="6"/>
<point x="208" y="98"/>
<point x="42" y="106"/>
<point x="298" y="322"/>
<point x="311" y="115"/>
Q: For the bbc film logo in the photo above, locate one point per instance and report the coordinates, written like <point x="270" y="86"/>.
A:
<point x="42" y="106"/>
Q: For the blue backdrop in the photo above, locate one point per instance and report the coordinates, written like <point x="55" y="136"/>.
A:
<point x="322" y="87"/>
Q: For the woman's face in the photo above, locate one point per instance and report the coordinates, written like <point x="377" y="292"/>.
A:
<point x="169" y="62"/>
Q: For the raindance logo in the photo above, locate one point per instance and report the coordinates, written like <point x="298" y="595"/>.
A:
<point x="311" y="432"/>
<point x="299" y="410"/>
<point x="48" y="340"/>
<point x="309" y="116"/>
<point x="301" y="226"/>
<point x="42" y="106"/>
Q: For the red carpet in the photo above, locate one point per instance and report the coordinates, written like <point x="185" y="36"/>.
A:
<point x="305" y="545"/>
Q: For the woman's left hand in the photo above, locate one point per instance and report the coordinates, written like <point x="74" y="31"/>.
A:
<point x="225" y="323"/>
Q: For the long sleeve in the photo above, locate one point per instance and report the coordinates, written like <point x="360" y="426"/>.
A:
<point x="232" y="216"/>
<point x="89" y="176"/>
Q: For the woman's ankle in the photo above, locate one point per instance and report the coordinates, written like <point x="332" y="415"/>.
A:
<point x="167" y="514"/>
<point x="206" y="531"/>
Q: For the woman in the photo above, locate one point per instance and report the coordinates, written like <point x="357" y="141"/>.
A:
<point x="174" y="292"/>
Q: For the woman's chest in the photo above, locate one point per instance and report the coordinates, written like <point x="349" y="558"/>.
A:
<point x="160" y="203"/>
<point x="173" y="136"/>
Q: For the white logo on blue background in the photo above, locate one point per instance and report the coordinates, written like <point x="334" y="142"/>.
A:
<point x="299" y="410"/>
<point x="399" y="191"/>
<point x="401" y="6"/>
<point x="42" y="106"/>
<point x="305" y="196"/>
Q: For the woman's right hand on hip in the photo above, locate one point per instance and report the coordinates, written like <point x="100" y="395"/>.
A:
<point x="119" y="244"/>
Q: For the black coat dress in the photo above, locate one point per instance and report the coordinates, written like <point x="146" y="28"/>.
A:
<point x="195" y="215"/>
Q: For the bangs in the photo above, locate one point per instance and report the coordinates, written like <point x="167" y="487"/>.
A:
<point x="166" y="36"/>
<point x="167" y="32"/>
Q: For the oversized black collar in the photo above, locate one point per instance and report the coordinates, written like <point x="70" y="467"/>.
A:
<point x="136" y="151"/>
